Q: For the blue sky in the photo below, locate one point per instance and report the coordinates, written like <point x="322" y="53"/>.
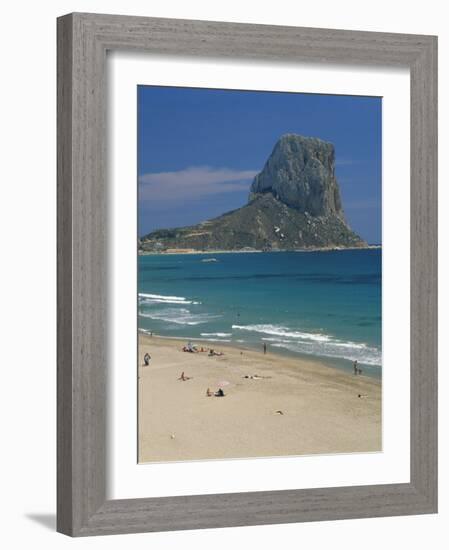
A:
<point x="199" y="149"/>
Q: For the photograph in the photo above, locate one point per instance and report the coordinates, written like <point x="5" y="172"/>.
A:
<point x="259" y="254"/>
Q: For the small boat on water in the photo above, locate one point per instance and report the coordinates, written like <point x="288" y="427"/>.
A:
<point x="208" y="260"/>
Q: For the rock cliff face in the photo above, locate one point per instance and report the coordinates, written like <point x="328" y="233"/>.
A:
<point x="294" y="203"/>
<point x="300" y="172"/>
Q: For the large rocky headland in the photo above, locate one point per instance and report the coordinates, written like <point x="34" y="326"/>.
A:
<point x="294" y="204"/>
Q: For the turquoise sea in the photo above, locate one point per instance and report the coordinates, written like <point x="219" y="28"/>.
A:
<point x="321" y="304"/>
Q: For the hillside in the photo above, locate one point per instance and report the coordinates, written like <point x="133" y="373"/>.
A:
<point x="294" y="203"/>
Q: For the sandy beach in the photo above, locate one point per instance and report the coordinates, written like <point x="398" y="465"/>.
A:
<point x="274" y="405"/>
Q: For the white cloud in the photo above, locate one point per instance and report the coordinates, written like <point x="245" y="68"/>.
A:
<point x="194" y="181"/>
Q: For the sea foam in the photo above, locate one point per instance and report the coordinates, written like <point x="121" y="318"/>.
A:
<point x="179" y="316"/>
<point x="161" y="299"/>
<point x="310" y="343"/>
<point x="277" y="330"/>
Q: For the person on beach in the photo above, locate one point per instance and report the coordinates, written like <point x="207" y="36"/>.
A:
<point x="219" y="393"/>
<point x="264" y="348"/>
<point x="190" y="348"/>
<point x="356" y="369"/>
<point x="146" y="359"/>
<point x="183" y="377"/>
<point x="209" y="393"/>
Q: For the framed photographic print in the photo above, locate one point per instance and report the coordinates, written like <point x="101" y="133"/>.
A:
<point x="246" y="274"/>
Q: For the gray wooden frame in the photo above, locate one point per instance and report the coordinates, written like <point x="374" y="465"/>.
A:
<point x="83" y="40"/>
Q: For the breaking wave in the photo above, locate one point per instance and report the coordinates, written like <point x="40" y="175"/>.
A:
<point x="179" y="316"/>
<point x="283" y="331"/>
<point x="161" y="299"/>
<point x="311" y="343"/>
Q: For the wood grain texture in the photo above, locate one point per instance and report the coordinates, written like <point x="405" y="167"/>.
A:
<point x="83" y="40"/>
<point x="423" y="274"/>
<point x="64" y="277"/>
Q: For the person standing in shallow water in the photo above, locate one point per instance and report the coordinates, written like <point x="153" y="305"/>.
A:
<point x="356" y="369"/>
<point x="264" y="348"/>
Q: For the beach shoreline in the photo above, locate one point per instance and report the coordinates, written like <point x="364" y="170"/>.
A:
<point x="274" y="405"/>
<point x="337" y="363"/>
<point x="184" y="251"/>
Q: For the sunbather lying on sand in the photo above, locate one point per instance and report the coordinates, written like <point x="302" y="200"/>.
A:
<point x="212" y="352"/>
<point x="191" y="348"/>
